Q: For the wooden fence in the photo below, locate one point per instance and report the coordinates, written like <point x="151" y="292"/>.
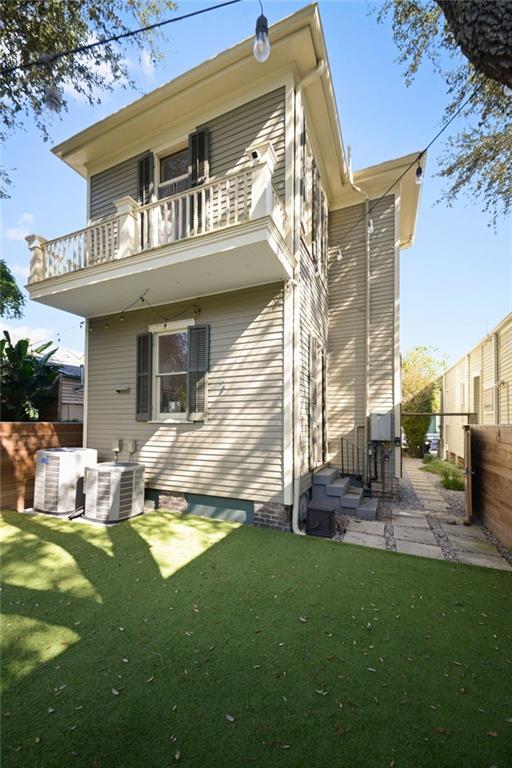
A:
<point x="489" y="465"/>
<point x="19" y="442"/>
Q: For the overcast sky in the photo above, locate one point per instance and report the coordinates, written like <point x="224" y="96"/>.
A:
<point x="456" y="281"/>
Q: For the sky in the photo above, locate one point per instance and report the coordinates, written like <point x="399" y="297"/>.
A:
<point x="456" y="280"/>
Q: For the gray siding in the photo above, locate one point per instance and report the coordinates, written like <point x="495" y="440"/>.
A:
<point x="313" y="323"/>
<point x="238" y="451"/>
<point x="262" y="119"/>
<point x="347" y="328"/>
<point x="348" y="309"/>
<point x="110" y="185"/>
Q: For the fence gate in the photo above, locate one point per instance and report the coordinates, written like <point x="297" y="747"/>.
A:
<point x="489" y="478"/>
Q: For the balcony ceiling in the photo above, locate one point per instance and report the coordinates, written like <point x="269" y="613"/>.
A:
<point x="254" y="254"/>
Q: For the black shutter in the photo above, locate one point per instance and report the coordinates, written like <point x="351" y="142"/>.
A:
<point x="145" y="192"/>
<point x="144" y="373"/>
<point x="199" y="156"/>
<point x="315" y="210"/>
<point x="198" y="366"/>
<point x="145" y="179"/>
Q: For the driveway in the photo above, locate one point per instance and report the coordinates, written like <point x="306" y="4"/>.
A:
<point x="427" y="523"/>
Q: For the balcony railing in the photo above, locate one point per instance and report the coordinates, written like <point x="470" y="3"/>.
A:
<point x="225" y="202"/>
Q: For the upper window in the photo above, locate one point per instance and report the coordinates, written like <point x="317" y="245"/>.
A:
<point x="174" y="175"/>
<point x="171" y="373"/>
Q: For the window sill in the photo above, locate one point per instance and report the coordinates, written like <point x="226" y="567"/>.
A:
<point x="173" y="422"/>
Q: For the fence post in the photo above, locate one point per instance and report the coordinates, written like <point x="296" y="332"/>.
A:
<point x="468" y="476"/>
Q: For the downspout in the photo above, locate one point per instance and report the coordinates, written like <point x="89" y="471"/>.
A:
<point x="366" y="198"/>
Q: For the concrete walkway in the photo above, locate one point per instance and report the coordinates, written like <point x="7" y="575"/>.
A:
<point x="429" y="530"/>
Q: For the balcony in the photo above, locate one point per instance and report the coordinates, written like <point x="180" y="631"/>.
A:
<point x="229" y="233"/>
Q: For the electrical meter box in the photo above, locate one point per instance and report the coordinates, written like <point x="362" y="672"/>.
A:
<point x="380" y="427"/>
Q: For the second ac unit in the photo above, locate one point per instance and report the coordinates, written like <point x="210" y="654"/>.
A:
<point x="114" y="491"/>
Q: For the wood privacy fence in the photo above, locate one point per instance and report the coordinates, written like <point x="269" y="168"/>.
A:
<point x="489" y="465"/>
<point x="19" y="442"/>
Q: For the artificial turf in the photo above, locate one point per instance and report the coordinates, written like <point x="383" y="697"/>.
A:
<point x="170" y="640"/>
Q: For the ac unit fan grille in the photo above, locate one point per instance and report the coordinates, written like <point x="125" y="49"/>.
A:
<point x="51" y="482"/>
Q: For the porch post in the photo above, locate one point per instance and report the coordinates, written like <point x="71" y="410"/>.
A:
<point x="263" y="158"/>
<point x="127" y="226"/>
<point x="37" y="260"/>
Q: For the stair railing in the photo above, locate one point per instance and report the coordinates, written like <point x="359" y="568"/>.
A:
<point x="353" y="460"/>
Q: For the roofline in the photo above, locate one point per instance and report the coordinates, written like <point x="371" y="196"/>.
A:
<point x="229" y="57"/>
<point x="496" y="328"/>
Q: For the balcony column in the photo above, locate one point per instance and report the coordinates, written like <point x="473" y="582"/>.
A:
<point x="263" y="159"/>
<point x="127" y="226"/>
<point x="37" y="260"/>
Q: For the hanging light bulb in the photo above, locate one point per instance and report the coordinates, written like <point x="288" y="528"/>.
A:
<point x="121" y="319"/>
<point x="261" y="47"/>
<point x="419" y="175"/>
<point x="371" y="228"/>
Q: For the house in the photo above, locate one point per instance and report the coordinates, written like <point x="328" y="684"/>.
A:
<point x="478" y="385"/>
<point x="240" y="285"/>
<point x="66" y="401"/>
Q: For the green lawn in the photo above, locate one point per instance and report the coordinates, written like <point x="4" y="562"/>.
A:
<point x="129" y="647"/>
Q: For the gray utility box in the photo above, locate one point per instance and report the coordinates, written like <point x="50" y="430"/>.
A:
<point x="380" y="427"/>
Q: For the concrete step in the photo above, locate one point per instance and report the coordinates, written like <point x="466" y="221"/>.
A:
<point x="325" y="476"/>
<point x="352" y="498"/>
<point x="367" y="510"/>
<point x="338" y="488"/>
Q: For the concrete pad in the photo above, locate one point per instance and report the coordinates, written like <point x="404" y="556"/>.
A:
<point x="409" y="513"/>
<point x="411" y="522"/>
<point x="465" y="544"/>
<point x="419" y="535"/>
<point x="464" y="531"/>
<point x="415" y="548"/>
<point x="434" y="506"/>
<point x="376" y="528"/>
<point x="365" y="539"/>
<point x="487" y="561"/>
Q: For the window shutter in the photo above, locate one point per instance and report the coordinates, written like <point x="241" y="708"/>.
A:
<point x="199" y="154"/>
<point x="144" y="373"/>
<point x="145" y="179"/>
<point x="198" y="366"/>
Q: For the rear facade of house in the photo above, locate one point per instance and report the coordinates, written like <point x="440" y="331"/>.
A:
<point x="242" y="315"/>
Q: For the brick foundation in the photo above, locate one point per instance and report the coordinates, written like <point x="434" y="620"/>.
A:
<point x="268" y="515"/>
<point x="167" y="500"/>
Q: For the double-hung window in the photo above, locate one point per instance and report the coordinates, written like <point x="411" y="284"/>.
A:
<point x="170" y="367"/>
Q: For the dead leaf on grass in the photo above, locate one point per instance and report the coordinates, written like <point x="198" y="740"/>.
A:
<point x="230" y="718"/>
<point x="115" y="692"/>
<point x="440" y="729"/>
<point x="492" y="733"/>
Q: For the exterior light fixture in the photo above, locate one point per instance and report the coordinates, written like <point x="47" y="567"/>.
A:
<point x="419" y="175"/>
<point x="371" y="228"/>
<point x="261" y="47"/>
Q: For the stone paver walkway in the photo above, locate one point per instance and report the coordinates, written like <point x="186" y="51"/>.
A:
<point x="429" y="531"/>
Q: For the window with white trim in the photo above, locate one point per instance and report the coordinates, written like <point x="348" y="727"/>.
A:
<point x="170" y="372"/>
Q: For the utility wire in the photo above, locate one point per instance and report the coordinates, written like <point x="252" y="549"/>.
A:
<point x="416" y="160"/>
<point x="48" y="59"/>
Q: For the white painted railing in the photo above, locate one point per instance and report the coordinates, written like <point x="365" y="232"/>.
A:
<point x="206" y="208"/>
<point x="226" y="202"/>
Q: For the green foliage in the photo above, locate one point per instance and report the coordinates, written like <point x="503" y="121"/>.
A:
<point x="476" y="161"/>
<point x="26" y="379"/>
<point x="12" y="300"/>
<point x="421" y="392"/>
<point x="451" y="477"/>
<point x="37" y="27"/>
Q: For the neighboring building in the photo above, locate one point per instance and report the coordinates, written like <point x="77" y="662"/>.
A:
<point x="479" y="384"/>
<point x="241" y="318"/>
<point x="66" y="402"/>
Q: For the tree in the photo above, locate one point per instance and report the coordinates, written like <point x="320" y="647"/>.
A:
<point x="12" y="300"/>
<point x="421" y="393"/>
<point x="26" y="379"/>
<point x="469" y="44"/>
<point x="38" y="28"/>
